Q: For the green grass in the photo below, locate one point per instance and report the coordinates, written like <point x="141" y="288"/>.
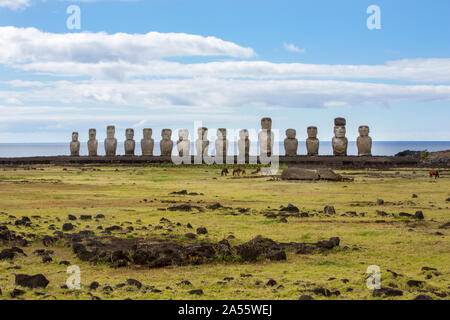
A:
<point x="52" y="193"/>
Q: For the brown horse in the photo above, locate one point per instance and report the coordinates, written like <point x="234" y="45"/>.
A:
<point x="224" y="172"/>
<point x="434" y="173"/>
<point x="236" y="171"/>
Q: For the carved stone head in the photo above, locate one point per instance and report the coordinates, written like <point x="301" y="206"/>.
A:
<point x="92" y="134"/>
<point x="312" y="132"/>
<point x="147" y="132"/>
<point x="110" y="132"/>
<point x="266" y="123"/>
<point x="339" y="131"/>
<point x="243" y="134"/>
<point x="202" y="133"/>
<point x="221" y="133"/>
<point x="166" y="134"/>
<point x="74" y="136"/>
<point x="291" y="133"/>
<point x="183" y="134"/>
<point x="129" y="134"/>
<point x="363" y="131"/>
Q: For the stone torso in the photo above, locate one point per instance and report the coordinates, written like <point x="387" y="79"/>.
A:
<point x="184" y="147"/>
<point x="312" y="146"/>
<point x="75" y="148"/>
<point x="266" y="140"/>
<point x="364" y="144"/>
<point x="147" y="147"/>
<point x="340" y="146"/>
<point x="130" y="146"/>
<point x="201" y="147"/>
<point x="92" y="148"/>
<point x="166" y="147"/>
<point x="110" y="146"/>
<point x="244" y="147"/>
<point x="290" y="146"/>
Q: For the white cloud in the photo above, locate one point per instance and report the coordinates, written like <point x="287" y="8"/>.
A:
<point x="15" y="4"/>
<point x="293" y="48"/>
<point x="25" y="45"/>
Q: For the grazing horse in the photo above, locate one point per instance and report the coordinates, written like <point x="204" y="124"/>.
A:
<point x="243" y="172"/>
<point x="434" y="173"/>
<point x="236" y="171"/>
<point x="224" y="172"/>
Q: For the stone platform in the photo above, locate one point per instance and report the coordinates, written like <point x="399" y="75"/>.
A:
<point x="336" y="162"/>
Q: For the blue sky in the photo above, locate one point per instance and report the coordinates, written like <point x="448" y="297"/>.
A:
<point x="228" y="63"/>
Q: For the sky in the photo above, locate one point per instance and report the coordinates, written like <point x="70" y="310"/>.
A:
<point x="224" y="63"/>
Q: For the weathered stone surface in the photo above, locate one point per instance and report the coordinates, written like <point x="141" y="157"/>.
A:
<point x="291" y="143"/>
<point x="75" y="145"/>
<point x="92" y="143"/>
<point x="364" y="142"/>
<point x="147" y="143"/>
<point x="266" y="137"/>
<point x="202" y="142"/>
<point x="312" y="143"/>
<point x="339" y="141"/>
<point x="166" y="143"/>
<point x="221" y="145"/>
<point x="110" y="141"/>
<point x="243" y="143"/>
<point x="183" y="143"/>
<point x="299" y="174"/>
<point x="328" y="174"/>
<point x="129" y="143"/>
<point x="35" y="281"/>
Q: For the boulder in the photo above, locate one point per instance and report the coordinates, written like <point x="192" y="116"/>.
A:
<point x="299" y="174"/>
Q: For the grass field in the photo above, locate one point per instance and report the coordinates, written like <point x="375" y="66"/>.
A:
<point x="134" y="196"/>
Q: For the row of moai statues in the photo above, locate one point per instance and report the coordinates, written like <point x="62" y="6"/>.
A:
<point x="265" y="138"/>
<point x="339" y="141"/>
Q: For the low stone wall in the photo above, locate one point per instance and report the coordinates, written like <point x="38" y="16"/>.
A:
<point x="336" y="162"/>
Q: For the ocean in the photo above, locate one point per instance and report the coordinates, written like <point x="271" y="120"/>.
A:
<point x="379" y="148"/>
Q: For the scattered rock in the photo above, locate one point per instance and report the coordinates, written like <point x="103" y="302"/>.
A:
<point x="329" y="210"/>
<point x="133" y="282"/>
<point x="202" y="230"/>
<point x="198" y="292"/>
<point x="423" y="297"/>
<point x="386" y="291"/>
<point x="290" y="208"/>
<point x="72" y="217"/>
<point x="380" y="202"/>
<point x="418" y="215"/>
<point x="94" y="285"/>
<point x="16" y="293"/>
<point x="36" y="281"/>
<point x="271" y="283"/>
<point x="415" y="283"/>
<point x="67" y="227"/>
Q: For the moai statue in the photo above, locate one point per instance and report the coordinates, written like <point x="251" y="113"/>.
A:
<point x="92" y="143"/>
<point x="129" y="143"/>
<point x="364" y="142"/>
<point x="166" y="143"/>
<point x="290" y="143"/>
<point x="147" y="143"/>
<point x="110" y="141"/>
<point x="339" y="141"/>
<point x="202" y="143"/>
<point x="244" y="144"/>
<point x="221" y="144"/>
<point x="75" y="145"/>
<point x="266" y="137"/>
<point x="183" y="143"/>
<point x="312" y="143"/>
